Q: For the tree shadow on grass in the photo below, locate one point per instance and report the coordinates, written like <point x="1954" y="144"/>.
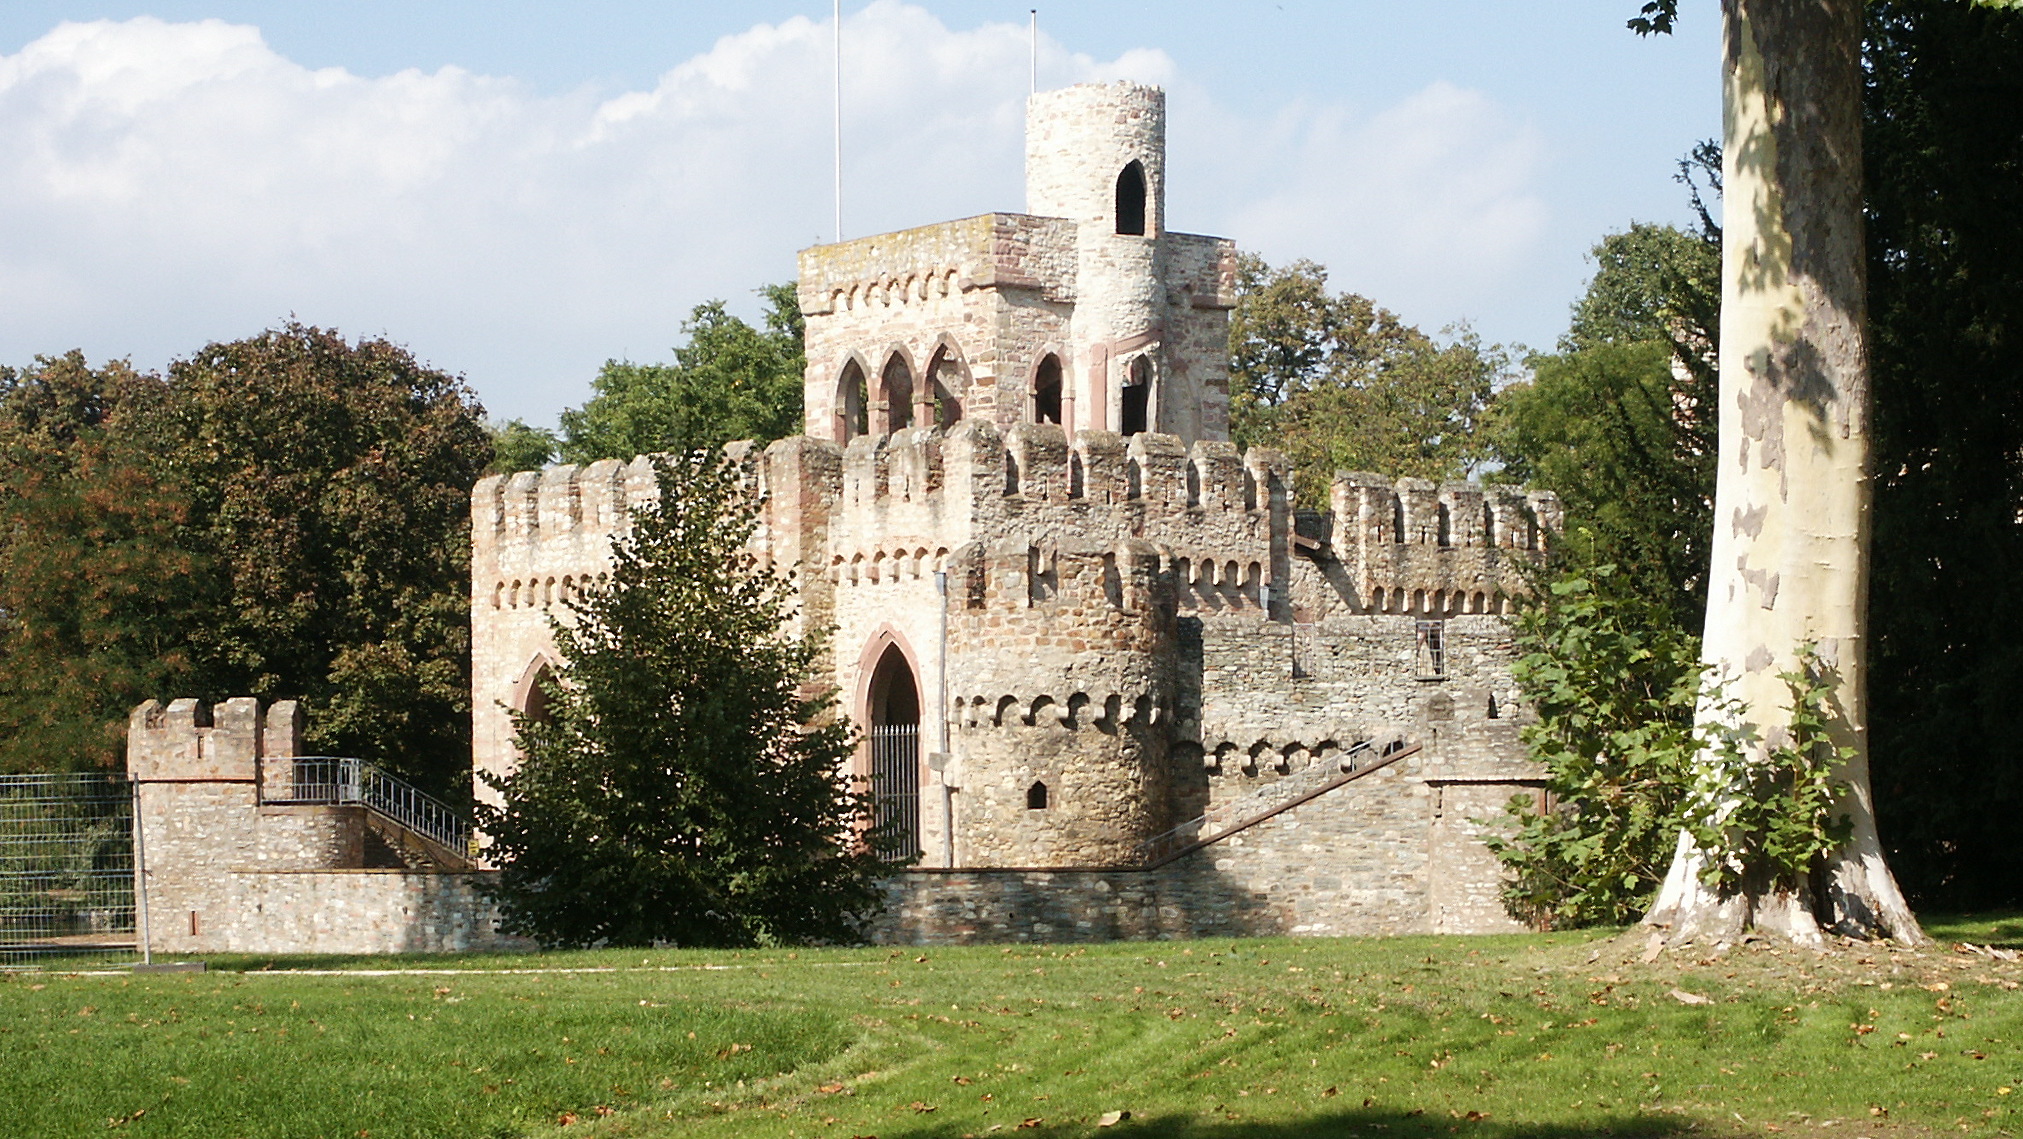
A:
<point x="1376" y="1123"/>
<point x="2002" y="930"/>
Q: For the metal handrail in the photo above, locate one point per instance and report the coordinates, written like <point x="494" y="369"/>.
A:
<point x="342" y="781"/>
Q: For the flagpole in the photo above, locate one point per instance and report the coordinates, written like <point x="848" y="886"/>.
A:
<point x="839" y="119"/>
<point x="1033" y="47"/>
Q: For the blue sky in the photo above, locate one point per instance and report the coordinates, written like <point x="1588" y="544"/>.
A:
<point x="519" y="191"/>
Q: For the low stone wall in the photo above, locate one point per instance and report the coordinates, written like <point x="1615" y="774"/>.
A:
<point x="357" y="912"/>
<point x="1381" y="855"/>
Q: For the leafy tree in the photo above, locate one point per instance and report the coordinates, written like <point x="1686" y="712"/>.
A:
<point x="1338" y="383"/>
<point x="519" y="447"/>
<point x="683" y="787"/>
<point x="1620" y="421"/>
<point x="730" y="381"/>
<point x="96" y="583"/>
<point x="1943" y="157"/>
<point x="1613" y="680"/>
<point x="282" y="516"/>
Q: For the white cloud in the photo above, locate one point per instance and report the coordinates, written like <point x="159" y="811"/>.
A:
<point x="166" y="184"/>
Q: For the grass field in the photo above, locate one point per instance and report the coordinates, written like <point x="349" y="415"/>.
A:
<point x="1537" y="1036"/>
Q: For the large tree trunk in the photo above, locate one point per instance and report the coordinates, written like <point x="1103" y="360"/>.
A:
<point x="1792" y="500"/>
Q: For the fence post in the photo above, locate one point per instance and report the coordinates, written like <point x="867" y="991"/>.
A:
<point x="140" y="878"/>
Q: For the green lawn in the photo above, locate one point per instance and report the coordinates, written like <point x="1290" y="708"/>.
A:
<point x="1557" y="1035"/>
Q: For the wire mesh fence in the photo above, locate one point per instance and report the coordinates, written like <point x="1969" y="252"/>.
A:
<point x="66" y="871"/>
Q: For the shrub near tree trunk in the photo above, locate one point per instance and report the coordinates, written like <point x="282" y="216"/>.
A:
<point x="683" y="789"/>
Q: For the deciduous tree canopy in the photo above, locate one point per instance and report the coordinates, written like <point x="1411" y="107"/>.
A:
<point x="730" y="381"/>
<point x="284" y="517"/>
<point x="1340" y="384"/>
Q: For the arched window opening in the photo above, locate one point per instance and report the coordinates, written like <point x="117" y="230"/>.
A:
<point x="946" y="385"/>
<point x="852" y="405"/>
<point x="1047" y="390"/>
<point x="1131" y="199"/>
<point x="896" y="389"/>
<point x="1446" y="522"/>
<point x="539" y="705"/>
<point x="1036" y="797"/>
<point x="1137" y="409"/>
<point x="1398" y="520"/>
<point x="894" y="712"/>
<point x="1494" y="711"/>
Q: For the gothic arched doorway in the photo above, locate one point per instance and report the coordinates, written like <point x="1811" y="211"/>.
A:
<point x="893" y="709"/>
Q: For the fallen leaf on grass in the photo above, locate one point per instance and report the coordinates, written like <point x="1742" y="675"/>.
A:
<point x="1033" y="1122"/>
<point x="1329" y="1092"/>
<point x="1686" y="998"/>
<point x="830" y="1089"/>
<point x="920" y="1107"/>
<point x="1112" y="1118"/>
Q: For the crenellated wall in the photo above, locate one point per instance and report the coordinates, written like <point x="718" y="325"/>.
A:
<point x="1015" y="493"/>
<point x="230" y="864"/>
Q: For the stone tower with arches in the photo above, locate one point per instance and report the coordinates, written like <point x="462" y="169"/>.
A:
<point x="1111" y="682"/>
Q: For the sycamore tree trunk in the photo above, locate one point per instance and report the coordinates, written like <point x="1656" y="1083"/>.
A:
<point x="1792" y="500"/>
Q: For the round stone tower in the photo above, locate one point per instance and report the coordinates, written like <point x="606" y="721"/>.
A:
<point x="1096" y="155"/>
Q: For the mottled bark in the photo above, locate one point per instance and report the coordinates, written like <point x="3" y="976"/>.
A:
<point x="1792" y="500"/>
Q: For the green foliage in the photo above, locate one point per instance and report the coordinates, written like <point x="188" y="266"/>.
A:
<point x="730" y="381"/>
<point x="1655" y="18"/>
<point x="1943" y="162"/>
<point x="1620" y="422"/>
<point x="1613" y="684"/>
<point x="519" y="447"/>
<point x="1338" y="383"/>
<point x="97" y="581"/>
<point x="1764" y="814"/>
<point x="683" y="790"/>
<point x="284" y="516"/>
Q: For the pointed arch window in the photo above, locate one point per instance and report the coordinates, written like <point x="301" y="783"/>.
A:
<point x="852" y="406"/>
<point x="895" y="390"/>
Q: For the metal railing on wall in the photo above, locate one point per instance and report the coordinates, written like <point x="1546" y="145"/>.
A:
<point x="66" y="870"/>
<point x="339" y="781"/>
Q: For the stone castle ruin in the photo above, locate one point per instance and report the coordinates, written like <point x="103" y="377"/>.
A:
<point x="1111" y="682"/>
<point x="1080" y="629"/>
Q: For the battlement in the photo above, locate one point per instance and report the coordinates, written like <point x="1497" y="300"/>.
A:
<point x="187" y="741"/>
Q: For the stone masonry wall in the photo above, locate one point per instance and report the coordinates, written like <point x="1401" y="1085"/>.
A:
<point x="1356" y="861"/>
<point x="358" y="912"/>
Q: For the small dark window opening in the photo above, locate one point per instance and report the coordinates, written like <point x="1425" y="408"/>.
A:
<point x="1047" y="391"/>
<point x="1131" y="199"/>
<point x="1488" y="525"/>
<point x="1398" y="521"/>
<point x="1446" y="526"/>
<point x="1137" y="397"/>
<point x="1494" y="711"/>
<point x="1036" y="797"/>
